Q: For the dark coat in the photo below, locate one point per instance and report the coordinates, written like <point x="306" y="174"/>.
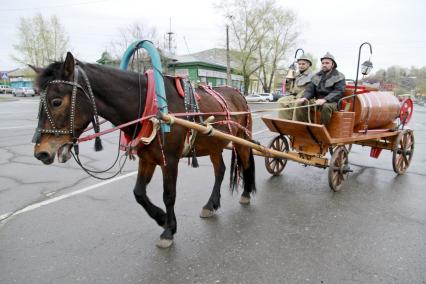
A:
<point x="326" y="86"/>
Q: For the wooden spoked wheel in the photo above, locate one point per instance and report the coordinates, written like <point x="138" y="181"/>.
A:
<point x="275" y="165"/>
<point x="403" y="151"/>
<point x="338" y="169"/>
<point x="347" y="146"/>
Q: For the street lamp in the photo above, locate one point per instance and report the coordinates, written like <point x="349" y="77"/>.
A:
<point x="291" y="74"/>
<point x="297" y="50"/>
<point x="366" y="68"/>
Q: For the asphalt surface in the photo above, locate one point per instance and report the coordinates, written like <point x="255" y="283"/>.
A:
<point x="60" y="226"/>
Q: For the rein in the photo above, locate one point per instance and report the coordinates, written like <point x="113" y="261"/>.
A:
<point x="183" y="114"/>
<point x="86" y="89"/>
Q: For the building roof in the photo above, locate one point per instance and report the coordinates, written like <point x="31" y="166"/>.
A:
<point x="22" y="72"/>
<point x="213" y="56"/>
<point x="8" y="71"/>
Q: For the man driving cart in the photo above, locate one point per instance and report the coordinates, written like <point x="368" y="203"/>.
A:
<point x="325" y="90"/>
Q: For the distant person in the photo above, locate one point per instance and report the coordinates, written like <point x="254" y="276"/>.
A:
<point x="296" y="87"/>
<point x="326" y="89"/>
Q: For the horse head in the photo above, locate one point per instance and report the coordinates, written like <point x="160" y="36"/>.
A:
<point x="65" y="109"/>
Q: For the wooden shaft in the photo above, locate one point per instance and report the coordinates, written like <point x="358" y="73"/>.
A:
<point x="266" y="152"/>
<point x="314" y="161"/>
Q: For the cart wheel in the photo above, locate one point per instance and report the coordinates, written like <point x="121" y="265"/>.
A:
<point x="403" y="151"/>
<point x="276" y="165"/>
<point x="339" y="168"/>
<point x="347" y="146"/>
<point x="406" y="111"/>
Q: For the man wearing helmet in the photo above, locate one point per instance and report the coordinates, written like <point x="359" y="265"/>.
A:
<point x="326" y="88"/>
<point x="297" y="86"/>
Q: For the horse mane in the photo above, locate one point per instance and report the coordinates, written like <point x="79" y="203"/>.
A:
<point x="51" y="72"/>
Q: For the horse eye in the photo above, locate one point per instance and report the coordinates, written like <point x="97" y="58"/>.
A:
<point x="56" y="102"/>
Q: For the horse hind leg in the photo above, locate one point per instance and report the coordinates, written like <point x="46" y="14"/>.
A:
<point x="243" y="166"/>
<point x="214" y="201"/>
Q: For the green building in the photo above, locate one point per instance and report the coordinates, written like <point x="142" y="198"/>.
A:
<point x="208" y="67"/>
<point x="205" y="67"/>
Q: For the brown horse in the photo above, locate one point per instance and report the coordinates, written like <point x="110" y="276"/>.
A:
<point x="67" y="108"/>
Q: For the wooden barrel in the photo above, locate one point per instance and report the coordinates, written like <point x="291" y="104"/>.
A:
<point x="375" y="110"/>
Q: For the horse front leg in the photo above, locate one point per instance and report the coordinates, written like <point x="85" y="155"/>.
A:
<point x="214" y="201"/>
<point x="170" y="172"/>
<point x="145" y="172"/>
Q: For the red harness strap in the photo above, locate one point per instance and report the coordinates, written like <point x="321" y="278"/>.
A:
<point x="151" y="108"/>
<point x="180" y="90"/>
<point x="221" y="101"/>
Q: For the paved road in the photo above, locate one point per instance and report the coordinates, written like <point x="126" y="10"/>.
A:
<point x="60" y="226"/>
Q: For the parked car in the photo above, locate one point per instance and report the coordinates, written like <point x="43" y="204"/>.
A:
<point x="4" y="89"/>
<point x="262" y="97"/>
<point x="255" y="98"/>
<point x="24" y="92"/>
<point x="268" y="97"/>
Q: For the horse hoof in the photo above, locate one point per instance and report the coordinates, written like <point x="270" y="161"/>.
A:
<point x="164" y="243"/>
<point x="206" y="213"/>
<point x="244" y="200"/>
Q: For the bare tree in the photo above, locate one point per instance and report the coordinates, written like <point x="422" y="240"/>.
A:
<point x="263" y="32"/>
<point x="246" y="27"/>
<point x="130" y="34"/>
<point x="41" y="41"/>
<point x="280" y="38"/>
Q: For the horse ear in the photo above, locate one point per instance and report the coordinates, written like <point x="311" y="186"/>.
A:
<point x="38" y="70"/>
<point x="69" y="65"/>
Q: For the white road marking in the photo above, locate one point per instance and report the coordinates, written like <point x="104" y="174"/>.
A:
<point x="17" y="127"/>
<point x="4" y="216"/>
<point x="58" y="198"/>
<point x="55" y="199"/>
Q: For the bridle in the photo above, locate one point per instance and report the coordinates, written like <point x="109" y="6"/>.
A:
<point x="44" y="105"/>
<point x="88" y="92"/>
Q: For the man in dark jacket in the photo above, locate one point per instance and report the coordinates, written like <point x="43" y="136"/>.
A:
<point x="326" y="88"/>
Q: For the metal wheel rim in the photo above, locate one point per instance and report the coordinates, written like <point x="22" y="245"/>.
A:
<point x="275" y="165"/>
<point x="336" y="174"/>
<point x="403" y="151"/>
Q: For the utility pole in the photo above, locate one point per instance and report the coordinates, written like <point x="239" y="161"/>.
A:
<point x="228" y="57"/>
<point x="170" y="34"/>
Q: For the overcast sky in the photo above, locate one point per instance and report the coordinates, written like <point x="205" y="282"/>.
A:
<point x="396" y="29"/>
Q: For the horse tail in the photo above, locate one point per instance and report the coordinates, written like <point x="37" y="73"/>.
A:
<point x="241" y="170"/>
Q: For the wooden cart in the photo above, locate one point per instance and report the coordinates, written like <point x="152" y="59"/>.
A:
<point x="312" y="142"/>
<point x="309" y="143"/>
